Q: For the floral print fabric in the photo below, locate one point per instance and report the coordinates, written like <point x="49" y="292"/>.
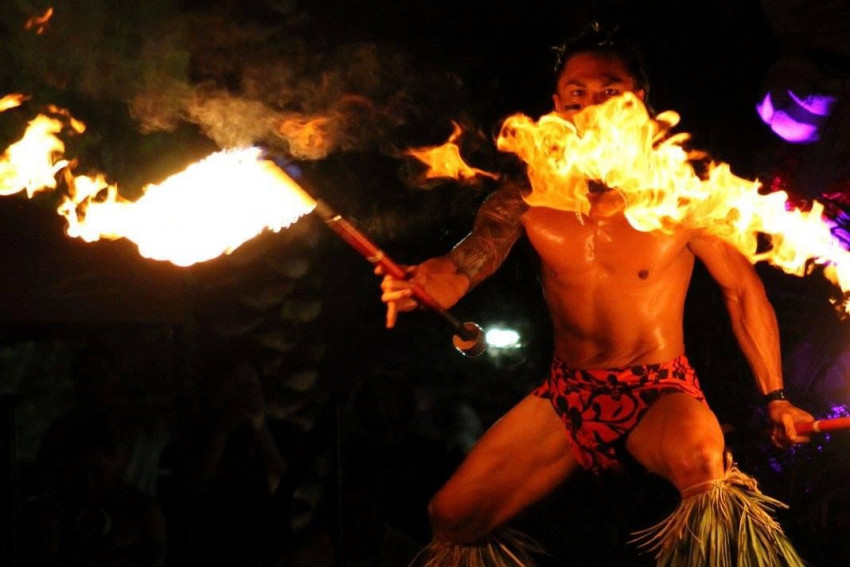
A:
<point x="601" y="407"/>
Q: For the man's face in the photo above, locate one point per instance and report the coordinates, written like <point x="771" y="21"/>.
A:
<point x="591" y="78"/>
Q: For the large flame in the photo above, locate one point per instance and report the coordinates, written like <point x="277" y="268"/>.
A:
<point x="210" y="208"/>
<point x="619" y="145"/>
<point x="445" y="160"/>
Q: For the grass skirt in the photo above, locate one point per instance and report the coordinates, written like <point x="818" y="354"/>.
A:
<point x="505" y="547"/>
<point x="722" y="523"/>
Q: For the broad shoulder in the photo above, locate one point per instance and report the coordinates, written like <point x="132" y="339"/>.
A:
<point x="504" y="207"/>
<point x="506" y="199"/>
<point x="704" y="243"/>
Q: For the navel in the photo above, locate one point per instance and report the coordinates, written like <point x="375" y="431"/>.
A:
<point x="643" y="274"/>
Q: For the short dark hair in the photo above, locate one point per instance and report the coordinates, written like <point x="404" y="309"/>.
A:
<point x="607" y="42"/>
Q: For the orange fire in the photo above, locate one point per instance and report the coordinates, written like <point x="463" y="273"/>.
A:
<point x="39" y="23"/>
<point x="445" y="160"/>
<point x="309" y="138"/>
<point x="31" y="163"/>
<point x="210" y="208"/>
<point x="75" y="124"/>
<point x="618" y="144"/>
<point x="11" y="101"/>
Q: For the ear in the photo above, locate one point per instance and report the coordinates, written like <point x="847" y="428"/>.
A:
<point x="641" y="94"/>
<point x="556" y="100"/>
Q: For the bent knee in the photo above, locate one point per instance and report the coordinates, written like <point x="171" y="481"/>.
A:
<point x="454" y="518"/>
<point x="695" y="462"/>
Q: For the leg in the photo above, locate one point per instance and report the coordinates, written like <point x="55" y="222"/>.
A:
<point x="523" y="457"/>
<point x="680" y="439"/>
<point x="723" y="519"/>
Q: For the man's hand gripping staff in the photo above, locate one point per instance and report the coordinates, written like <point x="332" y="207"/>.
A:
<point x="822" y="425"/>
<point x="437" y="280"/>
<point x="468" y="338"/>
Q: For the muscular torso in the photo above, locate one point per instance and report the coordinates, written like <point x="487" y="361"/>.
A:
<point x="616" y="295"/>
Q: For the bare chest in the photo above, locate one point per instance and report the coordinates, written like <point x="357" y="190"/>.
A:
<point x="573" y="248"/>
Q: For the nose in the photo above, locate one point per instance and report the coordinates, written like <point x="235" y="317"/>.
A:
<point x="599" y="97"/>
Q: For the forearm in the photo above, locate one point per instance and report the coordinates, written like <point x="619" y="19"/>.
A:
<point x="757" y="332"/>
<point x="755" y="326"/>
<point x="476" y="258"/>
<point x="447" y="278"/>
<point x="751" y="314"/>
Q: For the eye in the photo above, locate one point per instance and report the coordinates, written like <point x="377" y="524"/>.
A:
<point x="576" y="93"/>
<point x="611" y="92"/>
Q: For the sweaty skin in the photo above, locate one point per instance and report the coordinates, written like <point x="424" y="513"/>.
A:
<point x="616" y="298"/>
<point x="616" y="295"/>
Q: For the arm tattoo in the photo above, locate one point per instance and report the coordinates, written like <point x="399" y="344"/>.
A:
<point x="497" y="226"/>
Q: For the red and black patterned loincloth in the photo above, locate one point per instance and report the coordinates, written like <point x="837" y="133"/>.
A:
<point x="601" y="407"/>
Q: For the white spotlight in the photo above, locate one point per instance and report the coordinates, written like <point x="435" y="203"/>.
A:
<point x="502" y="338"/>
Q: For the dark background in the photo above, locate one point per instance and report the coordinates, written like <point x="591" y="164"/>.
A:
<point x="370" y="422"/>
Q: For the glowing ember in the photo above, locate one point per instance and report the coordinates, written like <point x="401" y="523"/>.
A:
<point x="309" y="138"/>
<point x="619" y="145"/>
<point x="39" y="23"/>
<point x="11" y="101"/>
<point x="75" y="124"/>
<point x="445" y="160"/>
<point x="210" y="208"/>
<point x="31" y="164"/>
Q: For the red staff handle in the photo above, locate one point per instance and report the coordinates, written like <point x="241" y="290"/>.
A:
<point x="822" y="425"/>
<point x="469" y="338"/>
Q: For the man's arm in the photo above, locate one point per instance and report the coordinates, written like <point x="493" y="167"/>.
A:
<point x="497" y="227"/>
<point x="447" y="278"/>
<point x="754" y="324"/>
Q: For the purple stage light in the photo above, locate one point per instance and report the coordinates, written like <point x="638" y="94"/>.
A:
<point x="794" y="118"/>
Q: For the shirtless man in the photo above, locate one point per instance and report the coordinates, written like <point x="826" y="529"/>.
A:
<point x="616" y="298"/>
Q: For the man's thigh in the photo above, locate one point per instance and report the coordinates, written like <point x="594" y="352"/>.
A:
<point x="519" y="460"/>
<point x="676" y="429"/>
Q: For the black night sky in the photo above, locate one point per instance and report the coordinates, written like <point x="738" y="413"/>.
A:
<point x="151" y="405"/>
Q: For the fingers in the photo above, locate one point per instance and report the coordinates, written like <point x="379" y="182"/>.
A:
<point x="397" y="301"/>
<point x="785" y="434"/>
<point x="795" y="437"/>
<point x="789" y="430"/>
<point x="787" y="427"/>
<point x="392" y="314"/>
<point x="403" y="298"/>
<point x="398" y="296"/>
<point x="789" y="421"/>
<point x="390" y="283"/>
<point x="784" y="417"/>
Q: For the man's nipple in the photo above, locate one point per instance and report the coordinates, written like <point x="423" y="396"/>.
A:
<point x="643" y="274"/>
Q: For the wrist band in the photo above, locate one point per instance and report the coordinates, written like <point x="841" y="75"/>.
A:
<point x="778" y="394"/>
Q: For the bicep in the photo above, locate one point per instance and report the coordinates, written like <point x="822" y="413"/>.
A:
<point x="727" y="266"/>
<point x="497" y="227"/>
